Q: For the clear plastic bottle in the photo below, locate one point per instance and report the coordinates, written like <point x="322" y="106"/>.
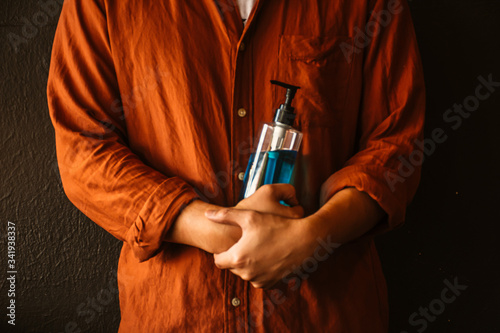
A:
<point x="276" y="150"/>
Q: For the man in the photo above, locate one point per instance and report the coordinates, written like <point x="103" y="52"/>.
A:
<point x="155" y="104"/>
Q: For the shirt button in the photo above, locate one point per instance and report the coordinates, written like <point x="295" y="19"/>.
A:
<point x="235" y="302"/>
<point x="242" y="112"/>
<point x="241" y="176"/>
<point x="242" y="46"/>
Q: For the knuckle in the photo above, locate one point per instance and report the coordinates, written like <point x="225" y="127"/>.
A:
<point x="223" y="212"/>
<point x="298" y="212"/>
<point x="236" y="259"/>
<point x="257" y="285"/>
<point x="267" y="189"/>
<point x="248" y="276"/>
<point x="239" y="260"/>
<point x="251" y="217"/>
<point x="245" y="276"/>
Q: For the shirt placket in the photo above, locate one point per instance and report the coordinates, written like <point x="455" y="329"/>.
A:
<point x="236" y="290"/>
<point x="241" y="124"/>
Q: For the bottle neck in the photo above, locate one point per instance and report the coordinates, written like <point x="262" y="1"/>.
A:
<point x="284" y="116"/>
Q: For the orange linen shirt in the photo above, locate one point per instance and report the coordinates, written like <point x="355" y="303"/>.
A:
<point x="146" y="99"/>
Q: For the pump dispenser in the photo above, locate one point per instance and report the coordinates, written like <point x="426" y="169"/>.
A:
<point x="276" y="149"/>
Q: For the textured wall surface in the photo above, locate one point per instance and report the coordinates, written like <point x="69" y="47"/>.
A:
<point x="66" y="265"/>
<point x="65" y="262"/>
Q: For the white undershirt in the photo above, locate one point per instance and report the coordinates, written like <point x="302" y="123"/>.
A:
<point x="245" y="7"/>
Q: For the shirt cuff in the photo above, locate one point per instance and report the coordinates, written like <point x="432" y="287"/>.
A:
<point x="157" y="215"/>
<point x="369" y="179"/>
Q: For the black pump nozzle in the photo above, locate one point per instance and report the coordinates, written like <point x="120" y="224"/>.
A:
<point x="285" y="113"/>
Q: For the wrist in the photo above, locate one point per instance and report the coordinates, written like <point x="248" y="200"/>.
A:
<point x="306" y="236"/>
<point x="346" y="216"/>
<point x="190" y="227"/>
<point x="317" y="241"/>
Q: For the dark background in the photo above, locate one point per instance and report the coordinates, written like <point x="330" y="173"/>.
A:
<point x="66" y="263"/>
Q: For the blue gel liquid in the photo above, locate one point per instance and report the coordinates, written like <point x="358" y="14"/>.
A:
<point x="278" y="168"/>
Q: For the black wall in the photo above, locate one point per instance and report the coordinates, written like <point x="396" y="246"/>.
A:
<point x="65" y="263"/>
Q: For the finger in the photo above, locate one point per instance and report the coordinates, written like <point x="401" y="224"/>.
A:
<point x="263" y="284"/>
<point x="257" y="285"/>
<point x="229" y="259"/>
<point x="234" y="257"/>
<point x="296" y="212"/>
<point x="223" y="260"/>
<point x="228" y="216"/>
<point x="282" y="192"/>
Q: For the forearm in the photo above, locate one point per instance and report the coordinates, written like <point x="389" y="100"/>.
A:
<point x="348" y="215"/>
<point x="272" y="245"/>
<point x="192" y="228"/>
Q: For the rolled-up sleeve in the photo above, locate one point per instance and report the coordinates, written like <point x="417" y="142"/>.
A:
<point x="388" y="161"/>
<point x="100" y="174"/>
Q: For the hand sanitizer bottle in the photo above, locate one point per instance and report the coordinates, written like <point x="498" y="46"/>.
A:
<point x="276" y="148"/>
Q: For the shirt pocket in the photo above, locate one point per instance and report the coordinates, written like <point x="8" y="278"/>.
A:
<point x="318" y="65"/>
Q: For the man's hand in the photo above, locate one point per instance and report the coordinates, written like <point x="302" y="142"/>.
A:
<point x="267" y="200"/>
<point x="193" y="228"/>
<point x="269" y="245"/>
<point x="271" y="234"/>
